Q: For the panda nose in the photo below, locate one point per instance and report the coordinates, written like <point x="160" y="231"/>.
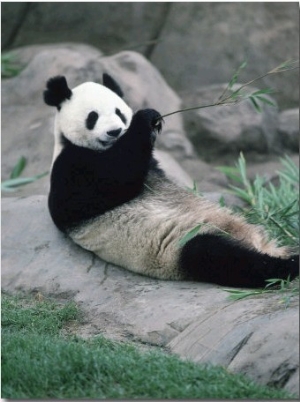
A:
<point x="114" y="133"/>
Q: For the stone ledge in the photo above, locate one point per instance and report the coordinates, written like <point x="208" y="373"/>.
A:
<point x="195" y="320"/>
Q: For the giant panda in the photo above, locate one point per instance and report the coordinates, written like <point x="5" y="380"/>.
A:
<point x="110" y="196"/>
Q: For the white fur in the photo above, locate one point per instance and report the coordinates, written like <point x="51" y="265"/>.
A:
<point x="70" y="120"/>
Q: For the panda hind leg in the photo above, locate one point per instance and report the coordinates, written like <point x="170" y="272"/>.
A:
<point x="227" y="262"/>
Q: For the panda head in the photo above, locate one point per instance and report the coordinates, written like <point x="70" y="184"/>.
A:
<point x="91" y="115"/>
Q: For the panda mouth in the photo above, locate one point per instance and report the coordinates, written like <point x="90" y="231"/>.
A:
<point x="104" y="143"/>
<point x="107" y="141"/>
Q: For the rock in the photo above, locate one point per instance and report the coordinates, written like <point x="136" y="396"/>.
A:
<point x="289" y="129"/>
<point x="259" y="351"/>
<point x="193" y="44"/>
<point x="102" y="25"/>
<point x="228" y="130"/>
<point x="172" y="168"/>
<point x="204" y="44"/>
<point x="257" y="336"/>
<point x="268" y="168"/>
<point x="245" y="342"/>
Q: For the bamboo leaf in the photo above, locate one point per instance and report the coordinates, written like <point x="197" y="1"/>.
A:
<point x="243" y="194"/>
<point x="8" y="185"/>
<point x="236" y="294"/>
<point x="230" y="172"/>
<point x="263" y="91"/>
<point x="265" y="100"/>
<point x="222" y="202"/>
<point x="18" y="169"/>
<point x="188" y="236"/>
<point x="236" y="75"/>
<point x="255" y="104"/>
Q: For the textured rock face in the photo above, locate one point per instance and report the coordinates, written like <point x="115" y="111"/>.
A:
<point x="230" y="129"/>
<point x="289" y="128"/>
<point x="192" y="43"/>
<point x="205" y="43"/>
<point x="257" y="337"/>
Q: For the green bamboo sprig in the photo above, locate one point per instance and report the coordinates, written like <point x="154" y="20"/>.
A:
<point x="275" y="207"/>
<point x="230" y="96"/>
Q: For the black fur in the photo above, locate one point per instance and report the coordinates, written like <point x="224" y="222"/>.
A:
<point x="120" y="114"/>
<point x="221" y="260"/>
<point x="91" y="120"/>
<point x="57" y="91"/>
<point x="87" y="183"/>
<point x="111" y="84"/>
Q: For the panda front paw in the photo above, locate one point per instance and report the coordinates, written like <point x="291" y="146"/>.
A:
<point x="150" y="120"/>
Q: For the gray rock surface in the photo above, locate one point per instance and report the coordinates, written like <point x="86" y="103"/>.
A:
<point x="192" y="43"/>
<point x="205" y="43"/>
<point x="289" y="129"/>
<point x="195" y="320"/>
<point x="230" y="129"/>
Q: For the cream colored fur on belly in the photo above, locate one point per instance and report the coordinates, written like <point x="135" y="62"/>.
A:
<point x="143" y="235"/>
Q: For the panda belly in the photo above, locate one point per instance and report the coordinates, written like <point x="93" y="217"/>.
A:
<point x="143" y="235"/>
<point x="136" y="236"/>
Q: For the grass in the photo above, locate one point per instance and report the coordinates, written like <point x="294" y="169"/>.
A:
<point x="39" y="362"/>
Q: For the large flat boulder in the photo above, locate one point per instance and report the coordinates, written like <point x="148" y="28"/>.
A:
<point x="257" y="336"/>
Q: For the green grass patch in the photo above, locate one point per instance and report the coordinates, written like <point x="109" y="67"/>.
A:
<point x="39" y="362"/>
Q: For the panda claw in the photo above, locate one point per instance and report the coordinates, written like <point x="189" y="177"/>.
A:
<point x="157" y="124"/>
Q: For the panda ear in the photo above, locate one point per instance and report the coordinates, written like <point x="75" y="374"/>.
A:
<point x="57" y="91"/>
<point x="111" y="84"/>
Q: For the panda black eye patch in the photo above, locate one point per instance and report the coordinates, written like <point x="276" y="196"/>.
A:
<point x="91" y="120"/>
<point x="120" y="114"/>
